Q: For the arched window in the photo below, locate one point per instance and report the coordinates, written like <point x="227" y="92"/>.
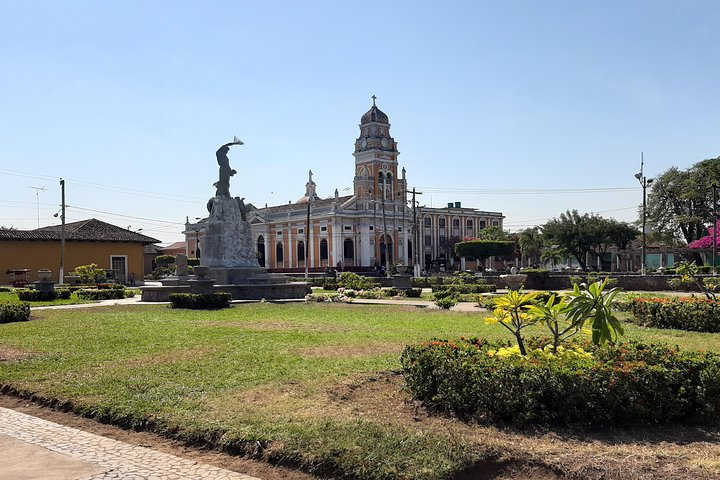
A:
<point x="495" y="223"/>
<point x="428" y="222"/>
<point x="441" y="222"/>
<point x="469" y="224"/>
<point x="348" y="249"/>
<point x="301" y="251"/>
<point x="279" y="254"/>
<point x="323" y="249"/>
<point x="388" y="186"/>
<point x="261" y="251"/>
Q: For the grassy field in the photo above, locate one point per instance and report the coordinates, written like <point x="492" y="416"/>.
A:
<point x="73" y="300"/>
<point x="308" y="384"/>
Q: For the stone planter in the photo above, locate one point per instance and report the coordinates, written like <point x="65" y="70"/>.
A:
<point x="72" y="279"/>
<point x="201" y="271"/>
<point x="514" y="282"/>
<point x="44" y="274"/>
<point x="401" y="269"/>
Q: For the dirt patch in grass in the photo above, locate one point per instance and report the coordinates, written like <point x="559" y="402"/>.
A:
<point x="174" y="356"/>
<point x="13" y="354"/>
<point x="352" y="351"/>
<point x="644" y="452"/>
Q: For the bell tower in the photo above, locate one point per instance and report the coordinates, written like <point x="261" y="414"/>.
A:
<point x="376" y="164"/>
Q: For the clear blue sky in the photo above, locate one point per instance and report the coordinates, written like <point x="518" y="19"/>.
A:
<point x="128" y="102"/>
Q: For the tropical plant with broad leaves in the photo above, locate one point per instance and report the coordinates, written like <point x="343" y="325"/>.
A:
<point x="553" y="314"/>
<point x="592" y="303"/>
<point x="511" y="311"/>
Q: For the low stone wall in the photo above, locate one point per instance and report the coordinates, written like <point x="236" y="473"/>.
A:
<point x="626" y="282"/>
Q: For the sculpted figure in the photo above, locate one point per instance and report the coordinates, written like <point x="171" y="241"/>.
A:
<point x="223" y="184"/>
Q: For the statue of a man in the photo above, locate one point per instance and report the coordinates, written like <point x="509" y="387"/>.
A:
<point x="223" y="184"/>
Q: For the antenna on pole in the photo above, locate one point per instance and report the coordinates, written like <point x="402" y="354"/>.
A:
<point x="37" y="196"/>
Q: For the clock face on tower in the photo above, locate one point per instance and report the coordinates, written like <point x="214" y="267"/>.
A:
<point x="363" y="143"/>
<point x="385" y="142"/>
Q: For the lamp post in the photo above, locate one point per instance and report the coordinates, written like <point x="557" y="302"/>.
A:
<point x="644" y="181"/>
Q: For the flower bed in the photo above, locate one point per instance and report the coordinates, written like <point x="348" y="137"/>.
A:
<point x="695" y="314"/>
<point x="629" y="383"/>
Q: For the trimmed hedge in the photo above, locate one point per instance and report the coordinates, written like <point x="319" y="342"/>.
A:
<point x="694" y="314"/>
<point x="200" y="301"/>
<point x="31" y="295"/>
<point x="464" y="288"/>
<point x="624" y="384"/>
<point x="95" y="294"/>
<point x="14" y="312"/>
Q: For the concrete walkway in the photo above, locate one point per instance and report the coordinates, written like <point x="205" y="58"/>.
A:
<point x="35" y="449"/>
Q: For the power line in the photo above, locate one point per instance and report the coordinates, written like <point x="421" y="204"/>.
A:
<point x="526" y="191"/>
<point x="164" y="222"/>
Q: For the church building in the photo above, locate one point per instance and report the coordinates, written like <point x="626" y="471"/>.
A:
<point x="375" y="226"/>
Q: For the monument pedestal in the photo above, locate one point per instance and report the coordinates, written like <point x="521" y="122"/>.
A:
<point x="202" y="285"/>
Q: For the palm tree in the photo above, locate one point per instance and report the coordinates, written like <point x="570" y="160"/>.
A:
<point x="530" y="242"/>
<point x="553" y="255"/>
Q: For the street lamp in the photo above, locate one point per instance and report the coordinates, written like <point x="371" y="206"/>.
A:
<point x="644" y="181"/>
<point x="714" y="235"/>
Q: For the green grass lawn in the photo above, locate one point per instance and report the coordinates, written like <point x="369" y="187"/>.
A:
<point x="73" y="300"/>
<point x="276" y="374"/>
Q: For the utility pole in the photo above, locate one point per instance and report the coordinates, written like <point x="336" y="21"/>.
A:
<point x="62" y="232"/>
<point x="416" y="233"/>
<point x="37" y="198"/>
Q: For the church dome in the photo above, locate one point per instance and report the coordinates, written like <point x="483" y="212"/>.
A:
<point x="374" y="115"/>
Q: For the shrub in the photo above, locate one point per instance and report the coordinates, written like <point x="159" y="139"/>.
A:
<point x="88" y="273"/>
<point x="391" y="292"/>
<point x="200" y="301"/>
<point x="6" y="289"/>
<point x="31" y="295"/>
<point x="694" y="314"/>
<point x="413" y="292"/>
<point x="420" y="282"/>
<point x="327" y="297"/>
<point x="96" y="294"/>
<point x="164" y="261"/>
<point x="447" y="302"/>
<point x="14" y="312"/>
<point x="627" y="383"/>
<point x="355" y="281"/>
<point x="372" y="294"/>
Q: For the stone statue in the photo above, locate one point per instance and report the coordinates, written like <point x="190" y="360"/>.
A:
<point x="181" y="265"/>
<point x="223" y="184"/>
<point x="242" y="207"/>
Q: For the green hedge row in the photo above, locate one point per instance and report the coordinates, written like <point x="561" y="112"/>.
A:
<point x="200" y="301"/>
<point x="465" y="289"/>
<point x="695" y="314"/>
<point x="628" y="383"/>
<point x="14" y="312"/>
<point x="32" y="295"/>
<point x="95" y="294"/>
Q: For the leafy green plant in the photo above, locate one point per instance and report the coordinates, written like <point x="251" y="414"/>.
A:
<point x="88" y="273"/>
<point x="593" y="303"/>
<point x="553" y="315"/>
<point x="355" y="281"/>
<point x="511" y="311"/>
<point x="446" y="302"/>
<point x="689" y="272"/>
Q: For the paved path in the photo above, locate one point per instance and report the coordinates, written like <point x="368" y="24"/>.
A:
<point x="33" y="448"/>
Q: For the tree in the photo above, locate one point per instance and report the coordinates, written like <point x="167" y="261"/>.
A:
<point x="530" y="242"/>
<point x="492" y="233"/>
<point x="482" y="249"/>
<point x="553" y="255"/>
<point x="680" y="201"/>
<point x="588" y="233"/>
<point x="578" y="234"/>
